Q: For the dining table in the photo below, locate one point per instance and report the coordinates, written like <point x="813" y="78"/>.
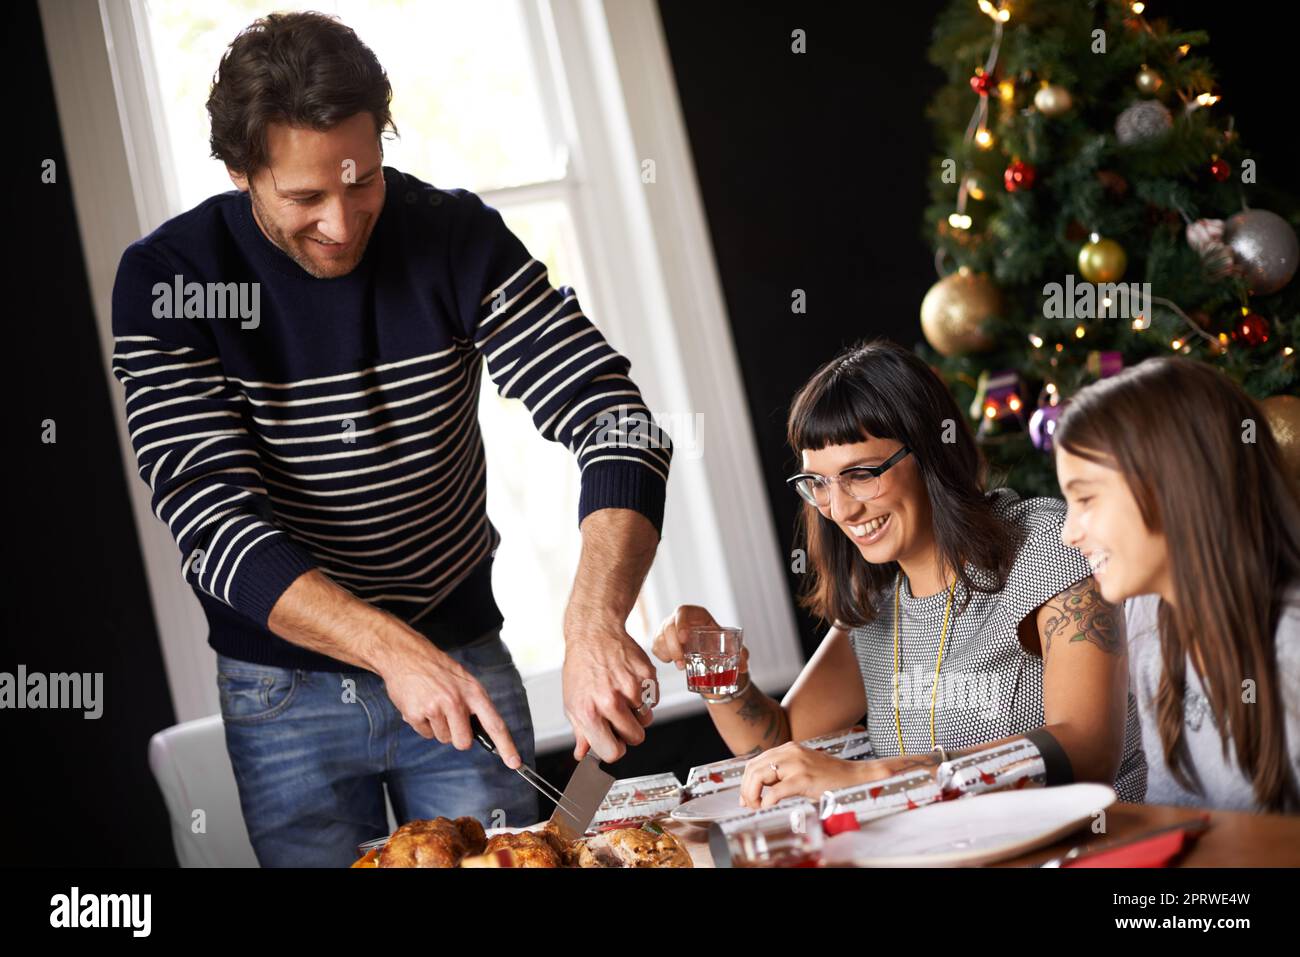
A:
<point x="1233" y="838"/>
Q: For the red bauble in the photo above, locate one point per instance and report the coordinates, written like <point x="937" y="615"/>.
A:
<point x="1220" y="170"/>
<point x="982" y="82"/>
<point x="1019" y="175"/>
<point x="1113" y="182"/>
<point x="1252" y="329"/>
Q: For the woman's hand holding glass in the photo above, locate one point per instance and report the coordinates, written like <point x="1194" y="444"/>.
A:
<point x="673" y="642"/>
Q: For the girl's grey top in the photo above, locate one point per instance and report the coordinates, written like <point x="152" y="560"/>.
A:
<point x="1223" y="785"/>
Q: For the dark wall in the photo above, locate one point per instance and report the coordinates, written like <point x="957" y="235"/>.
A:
<point x="813" y="172"/>
<point x="75" y="598"/>
<point x="812" y="167"/>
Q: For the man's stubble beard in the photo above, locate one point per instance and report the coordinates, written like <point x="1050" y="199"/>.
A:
<point x="285" y="244"/>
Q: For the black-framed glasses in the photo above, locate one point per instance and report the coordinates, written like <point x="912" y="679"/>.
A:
<point x="861" y="482"/>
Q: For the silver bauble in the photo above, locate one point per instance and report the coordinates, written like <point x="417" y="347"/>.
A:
<point x="1143" y="122"/>
<point x="1265" y="249"/>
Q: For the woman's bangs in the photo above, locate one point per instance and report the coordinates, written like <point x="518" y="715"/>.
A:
<point x="839" y="413"/>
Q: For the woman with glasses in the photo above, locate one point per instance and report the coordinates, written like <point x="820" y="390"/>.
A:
<point x="959" y="619"/>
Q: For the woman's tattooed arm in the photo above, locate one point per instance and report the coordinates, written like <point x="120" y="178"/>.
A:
<point x="758" y="710"/>
<point x="1080" y="614"/>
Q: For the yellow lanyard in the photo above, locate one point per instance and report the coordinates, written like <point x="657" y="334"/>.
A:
<point x="898" y="726"/>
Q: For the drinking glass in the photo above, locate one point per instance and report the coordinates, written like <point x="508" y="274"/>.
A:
<point x="712" y="656"/>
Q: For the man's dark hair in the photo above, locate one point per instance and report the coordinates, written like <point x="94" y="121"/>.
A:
<point x="303" y="69"/>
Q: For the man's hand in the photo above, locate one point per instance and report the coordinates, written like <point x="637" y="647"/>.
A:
<point x="609" y="692"/>
<point x="609" y="682"/>
<point x="436" y="696"/>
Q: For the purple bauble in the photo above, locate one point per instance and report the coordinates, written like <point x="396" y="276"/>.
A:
<point x="1041" y="426"/>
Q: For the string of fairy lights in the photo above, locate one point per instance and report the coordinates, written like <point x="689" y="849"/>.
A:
<point x="1101" y="260"/>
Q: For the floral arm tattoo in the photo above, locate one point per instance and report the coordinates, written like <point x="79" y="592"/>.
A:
<point x="1080" y="614"/>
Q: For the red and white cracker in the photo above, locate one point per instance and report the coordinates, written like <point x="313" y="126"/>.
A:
<point x="852" y="744"/>
<point x="633" y="801"/>
<point x="1014" y="765"/>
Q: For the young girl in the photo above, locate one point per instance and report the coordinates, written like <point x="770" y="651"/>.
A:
<point x="960" y="619"/>
<point x="1177" y="496"/>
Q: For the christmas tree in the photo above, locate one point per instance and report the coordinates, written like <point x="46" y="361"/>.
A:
<point x="1094" y="205"/>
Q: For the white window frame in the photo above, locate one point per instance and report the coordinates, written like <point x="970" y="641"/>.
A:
<point x="655" y="294"/>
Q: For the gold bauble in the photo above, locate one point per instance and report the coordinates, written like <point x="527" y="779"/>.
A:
<point x="1102" y="260"/>
<point x="1052" y="100"/>
<point x="1149" y="81"/>
<point x="954" y="311"/>
<point x="1283" y="414"/>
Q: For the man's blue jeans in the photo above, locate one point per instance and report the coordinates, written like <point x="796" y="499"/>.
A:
<point x="309" y="761"/>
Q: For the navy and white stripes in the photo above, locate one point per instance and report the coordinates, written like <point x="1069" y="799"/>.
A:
<point x="541" y="349"/>
<point x="373" y="474"/>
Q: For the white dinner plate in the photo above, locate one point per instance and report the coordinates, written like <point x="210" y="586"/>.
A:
<point x="969" y="831"/>
<point x="717" y="806"/>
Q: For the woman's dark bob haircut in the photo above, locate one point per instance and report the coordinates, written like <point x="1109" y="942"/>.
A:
<point x="879" y="390"/>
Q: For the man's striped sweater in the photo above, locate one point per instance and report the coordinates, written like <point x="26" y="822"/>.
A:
<point x="339" y="431"/>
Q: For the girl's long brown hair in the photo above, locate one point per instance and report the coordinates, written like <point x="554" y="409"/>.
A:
<point x="880" y="390"/>
<point x="1206" y="472"/>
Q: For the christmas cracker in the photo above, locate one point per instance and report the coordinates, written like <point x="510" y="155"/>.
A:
<point x="634" y="801"/>
<point x="1011" y="766"/>
<point x="853" y="744"/>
